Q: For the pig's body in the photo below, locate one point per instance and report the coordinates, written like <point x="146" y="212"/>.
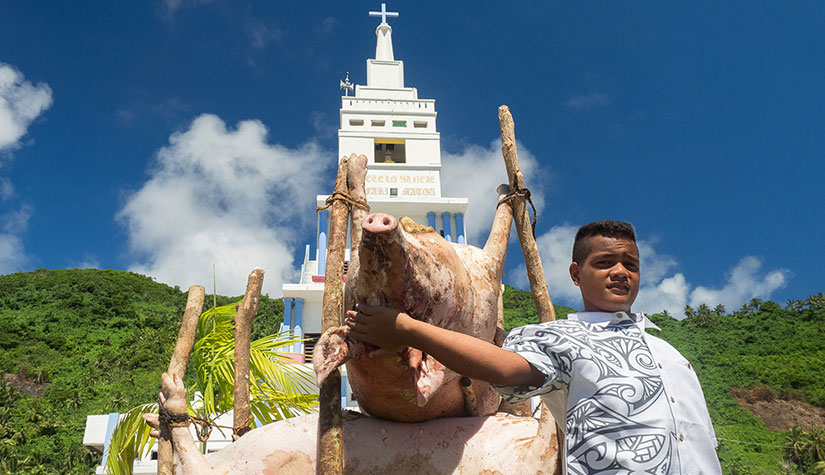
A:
<point x="407" y="266"/>
<point x="500" y="443"/>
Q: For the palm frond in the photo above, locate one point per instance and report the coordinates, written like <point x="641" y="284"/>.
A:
<point x="279" y="389"/>
<point x="130" y="440"/>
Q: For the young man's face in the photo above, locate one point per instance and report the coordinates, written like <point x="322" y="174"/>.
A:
<point x="609" y="277"/>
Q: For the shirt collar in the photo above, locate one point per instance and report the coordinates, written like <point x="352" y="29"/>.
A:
<point x="613" y="317"/>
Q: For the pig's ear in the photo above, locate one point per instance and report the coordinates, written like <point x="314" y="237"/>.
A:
<point x="330" y="352"/>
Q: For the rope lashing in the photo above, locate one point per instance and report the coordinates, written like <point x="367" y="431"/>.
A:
<point x="346" y="198"/>
<point x="171" y="419"/>
<point x="523" y="193"/>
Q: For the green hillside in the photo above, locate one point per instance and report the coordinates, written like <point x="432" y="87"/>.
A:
<point x="85" y="342"/>
<point x="80" y="342"/>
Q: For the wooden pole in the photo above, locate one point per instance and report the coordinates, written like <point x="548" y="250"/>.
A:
<point x="177" y="366"/>
<point x="356" y="174"/>
<point x="535" y="271"/>
<point x="243" y="329"/>
<point x="330" y="435"/>
<point x="532" y="260"/>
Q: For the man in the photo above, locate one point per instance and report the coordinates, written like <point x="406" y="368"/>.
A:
<point x="631" y="403"/>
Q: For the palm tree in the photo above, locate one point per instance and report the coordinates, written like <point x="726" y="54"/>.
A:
<point x="279" y="388"/>
<point x="795" y="442"/>
<point x="755" y="303"/>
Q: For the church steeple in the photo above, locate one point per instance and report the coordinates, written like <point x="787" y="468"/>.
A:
<point x="383" y="48"/>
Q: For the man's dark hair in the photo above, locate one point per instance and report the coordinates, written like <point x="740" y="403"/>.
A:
<point x="606" y="228"/>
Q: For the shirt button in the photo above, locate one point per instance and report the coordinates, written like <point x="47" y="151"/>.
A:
<point x="672" y="399"/>
<point x="660" y="365"/>
<point x="681" y="437"/>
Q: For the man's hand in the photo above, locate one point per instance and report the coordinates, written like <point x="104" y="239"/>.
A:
<point x="382" y="326"/>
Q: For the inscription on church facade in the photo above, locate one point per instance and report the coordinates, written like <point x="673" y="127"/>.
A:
<point x="402" y="184"/>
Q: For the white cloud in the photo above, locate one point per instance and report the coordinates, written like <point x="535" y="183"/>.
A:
<point x="661" y="287"/>
<point x="475" y="173"/>
<point x="746" y="281"/>
<point x="20" y="103"/>
<point x="224" y="197"/>
<point x="12" y="254"/>
<point x="671" y="294"/>
<point x="585" y="102"/>
<point x="6" y="189"/>
<point x="556" y="249"/>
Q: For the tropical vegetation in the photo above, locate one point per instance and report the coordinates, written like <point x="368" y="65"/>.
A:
<point x="79" y="342"/>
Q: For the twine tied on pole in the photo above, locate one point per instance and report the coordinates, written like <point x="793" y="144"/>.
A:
<point x="347" y="199"/>
<point x="523" y="193"/>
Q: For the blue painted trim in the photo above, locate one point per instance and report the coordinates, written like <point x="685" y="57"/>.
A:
<point x="445" y="220"/>
<point x="114" y="417"/>
<point x="459" y="228"/>
<point x="343" y="391"/>
<point x="288" y="312"/>
<point x="431" y="219"/>
<point x="322" y="242"/>
<point x="298" y="315"/>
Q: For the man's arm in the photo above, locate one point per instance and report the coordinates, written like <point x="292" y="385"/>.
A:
<point x="464" y="354"/>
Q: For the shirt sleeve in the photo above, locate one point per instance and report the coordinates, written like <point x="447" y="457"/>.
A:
<point x="542" y="346"/>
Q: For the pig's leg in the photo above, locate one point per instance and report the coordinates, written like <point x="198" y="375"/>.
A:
<point x="173" y="400"/>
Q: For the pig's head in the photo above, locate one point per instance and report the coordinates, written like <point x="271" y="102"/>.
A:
<point x="407" y="266"/>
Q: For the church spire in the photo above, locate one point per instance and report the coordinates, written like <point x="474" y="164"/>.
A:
<point x="383" y="48"/>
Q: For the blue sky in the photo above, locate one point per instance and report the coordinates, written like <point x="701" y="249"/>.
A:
<point x="166" y="136"/>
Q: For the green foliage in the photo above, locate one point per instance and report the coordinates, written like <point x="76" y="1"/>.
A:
<point x="806" y="448"/>
<point x="278" y="389"/>
<point x="519" y="309"/>
<point x="98" y="341"/>
<point x="130" y="439"/>
<point x="762" y="344"/>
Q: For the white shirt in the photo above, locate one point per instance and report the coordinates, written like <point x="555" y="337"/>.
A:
<point x="631" y="402"/>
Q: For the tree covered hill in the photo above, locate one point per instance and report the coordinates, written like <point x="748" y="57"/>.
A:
<point x="78" y="342"/>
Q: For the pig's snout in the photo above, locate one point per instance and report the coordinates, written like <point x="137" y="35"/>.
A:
<point x="377" y="223"/>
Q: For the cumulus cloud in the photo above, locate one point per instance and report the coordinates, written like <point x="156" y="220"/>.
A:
<point x="20" y="103"/>
<point x="225" y="197"/>
<point x="586" y="102"/>
<point x="475" y="172"/>
<point x="662" y="287"/>
<point x="12" y="253"/>
<point x="745" y="281"/>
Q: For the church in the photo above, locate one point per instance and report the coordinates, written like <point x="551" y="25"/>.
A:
<point x="386" y="121"/>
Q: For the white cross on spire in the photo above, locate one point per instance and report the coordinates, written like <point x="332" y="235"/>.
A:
<point x="384" y="14"/>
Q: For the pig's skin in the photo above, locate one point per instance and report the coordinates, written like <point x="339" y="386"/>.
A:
<point x="410" y="267"/>
<point x="499" y="443"/>
<point x="452" y="286"/>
